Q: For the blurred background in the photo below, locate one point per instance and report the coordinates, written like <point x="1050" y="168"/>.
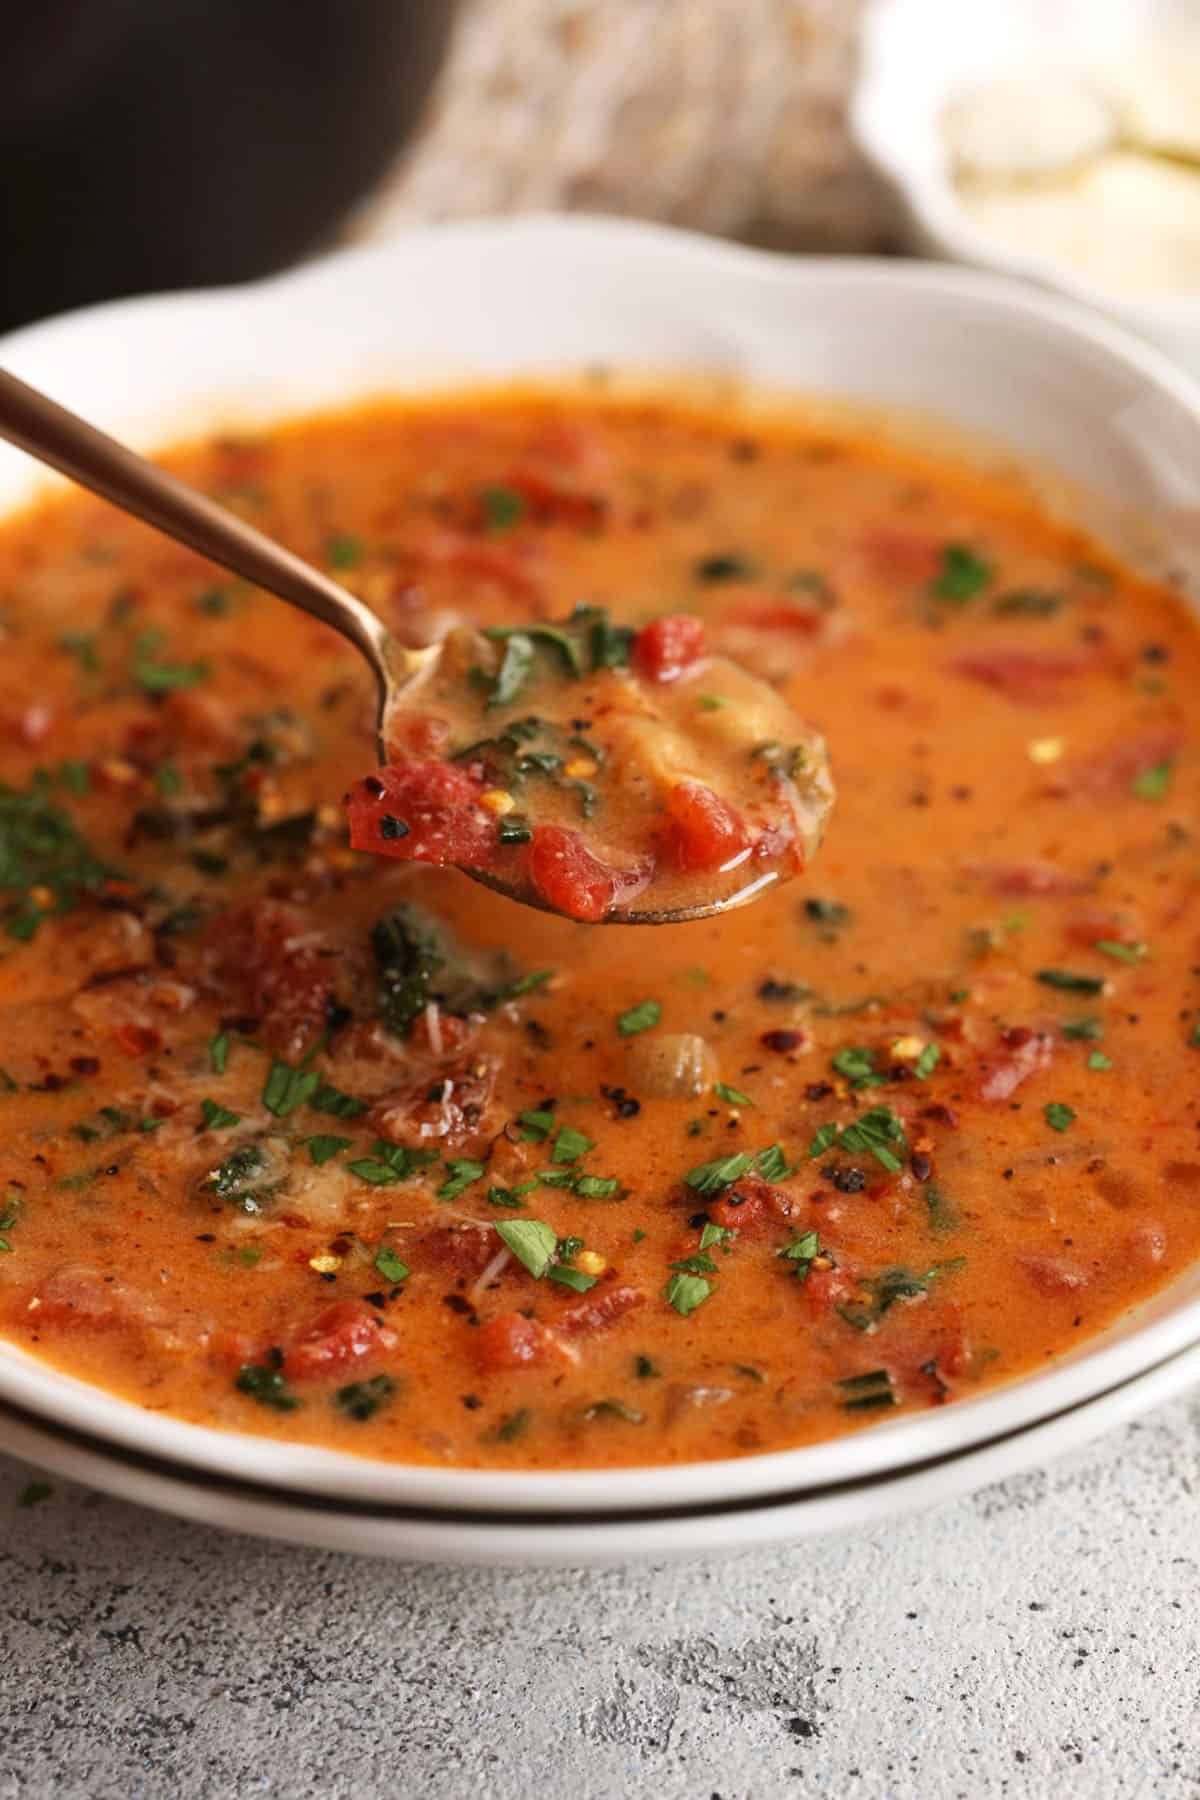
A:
<point x="170" y="143"/>
<point x="147" y="144"/>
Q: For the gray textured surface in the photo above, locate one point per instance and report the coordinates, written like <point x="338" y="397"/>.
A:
<point x="1037" y="1640"/>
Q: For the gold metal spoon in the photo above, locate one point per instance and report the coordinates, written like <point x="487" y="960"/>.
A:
<point x="47" y="431"/>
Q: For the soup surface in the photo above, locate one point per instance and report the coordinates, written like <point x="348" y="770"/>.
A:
<point x="309" y="1143"/>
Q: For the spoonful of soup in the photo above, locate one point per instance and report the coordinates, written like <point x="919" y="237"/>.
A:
<point x="598" y="771"/>
<point x="582" y="767"/>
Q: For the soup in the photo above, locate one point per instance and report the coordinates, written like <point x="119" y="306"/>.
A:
<point x="304" y="1142"/>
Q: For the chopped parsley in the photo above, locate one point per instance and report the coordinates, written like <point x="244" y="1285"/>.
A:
<point x="570" y="1145"/>
<point x="391" y="1266"/>
<point x="502" y="507"/>
<point x="516" y="667"/>
<point x="868" y="1392"/>
<point x="731" y="1095"/>
<point x="1126" y="953"/>
<point x="962" y="575"/>
<point x="217" y="1117"/>
<point x="324" y="1147"/>
<point x="942" y="1215"/>
<point x="1069" y="982"/>
<point x="390" y="1163"/>
<point x="722" y="1171"/>
<point x="287" y="1088"/>
<point x="218" y="1052"/>
<point x="462" y="1172"/>
<point x="155" y="677"/>
<point x="641" y="1017"/>
<point x="363" y="1399"/>
<point x="686" y="1292"/>
<point x="344" y="551"/>
<point x="857" y="1065"/>
<point x="533" y="1243"/>
<point x="878" y="1132"/>
<point x="264" y="1382"/>
<point x="889" y="1286"/>
<point x="727" y="567"/>
<point x="1098" y="1060"/>
<point x="46" y="864"/>
<point x="927" y="1062"/>
<point x="800" y="1253"/>
<point x="1153" y="783"/>
<point x="1089" y="1028"/>
<point x="1058" y="1116"/>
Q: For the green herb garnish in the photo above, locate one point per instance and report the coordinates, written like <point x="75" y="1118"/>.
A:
<point x="363" y="1399"/>
<point x="641" y="1017"/>
<point x="1058" y="1116"/>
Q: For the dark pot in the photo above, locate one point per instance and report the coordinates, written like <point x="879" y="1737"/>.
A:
<point x="179" y="143"/>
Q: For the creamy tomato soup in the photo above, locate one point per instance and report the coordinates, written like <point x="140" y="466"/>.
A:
<point x="311" y="1143"/>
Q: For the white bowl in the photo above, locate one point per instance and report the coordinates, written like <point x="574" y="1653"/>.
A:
<point x="1052" y="385"/>
<point x="916" y="53"/>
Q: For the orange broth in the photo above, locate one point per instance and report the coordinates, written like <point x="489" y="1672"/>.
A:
<point x="306" y="1143"/>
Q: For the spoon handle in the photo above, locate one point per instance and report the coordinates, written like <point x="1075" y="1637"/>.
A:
<point x="47" y="431"/>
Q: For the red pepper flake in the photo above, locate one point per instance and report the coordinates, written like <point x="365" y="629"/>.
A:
<point x="139" y="1040"/>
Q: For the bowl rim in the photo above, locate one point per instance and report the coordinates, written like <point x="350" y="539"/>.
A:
<point x="43" y="1391"/>
<point x="930" y="197"/>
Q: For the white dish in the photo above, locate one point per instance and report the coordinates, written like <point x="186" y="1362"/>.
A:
<point x="915" y="54"/>
<point x="1056" y="387"/>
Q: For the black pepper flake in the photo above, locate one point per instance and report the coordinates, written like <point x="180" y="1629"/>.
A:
<point x="392" y="827"/>
<point x="818" y="1090"/>
<point x="625" y="1104"/>
<point x="781" y="1041"/>
<point x="375" y="1299"/>
<point x="206" y="1237"/>
<point x="472" y="1402"/>
<point x="374" y="787"/>
<point x="921" y="1166"/>
<point x="457" y="1304"/>
<point x="698" y="1221"/>
<point x="1156" y="653"/>
<point x="1008" y="1174"/>
<point x="86" y="1065"/>
<point x="846" y="1181"/>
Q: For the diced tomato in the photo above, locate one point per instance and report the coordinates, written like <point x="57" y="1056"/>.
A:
<point x="81" y="1297"/>
<point x="778" y="612"/>
<point x="748" y="1202"/>
<point x="901" y="556"/>
<point x="422" y="812"/>
<point x="704" y="831"/>
<point x="461" y="1251"/>
<point x="824" y="1289"/>
<point x="667" y="648"/>
<point x="1020" y="1054"/>
<point x="1093" y="924"/>
<point x="1053" y="1275"/>
<point x="271" y="954"/>
<point x="552" y="502"/>
<point x="509" y="1341"/>
<point x="1115" y="770"/>
<point x="416" y="737"/>
<point x="346" y="1332"/>
<point x="568" y="876"/>
<point x="599" y="1311"/>
<point x="1026" y="676"/>
<point x="502" y="564"/>
<point x="1028" y="881"/>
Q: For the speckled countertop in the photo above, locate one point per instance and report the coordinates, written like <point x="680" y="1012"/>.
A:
<point x="1036" y="1640"/>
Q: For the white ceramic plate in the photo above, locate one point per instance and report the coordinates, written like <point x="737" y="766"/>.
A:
<point x="1052" y="385"/>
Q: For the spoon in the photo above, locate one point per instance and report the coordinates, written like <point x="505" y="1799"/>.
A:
<point x="52" y="434"/>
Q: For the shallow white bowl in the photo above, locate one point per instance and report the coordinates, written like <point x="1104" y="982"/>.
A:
<point x="916" y="53"/>
<point x="1052" y="385"/>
